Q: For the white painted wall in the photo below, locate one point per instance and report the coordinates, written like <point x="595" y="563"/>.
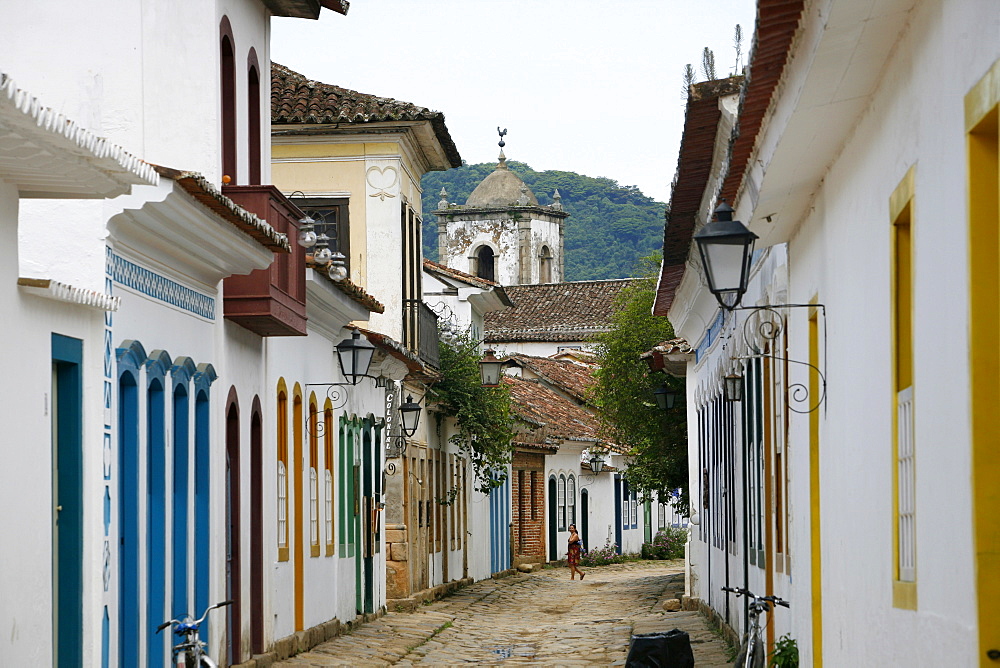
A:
<point x="839" y="253"/>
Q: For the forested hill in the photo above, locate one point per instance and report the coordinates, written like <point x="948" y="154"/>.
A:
<point x="609" y="229"/>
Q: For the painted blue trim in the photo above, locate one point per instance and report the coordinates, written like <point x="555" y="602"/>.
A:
<point x="67" y="528"/>
<point x="711" y="334"/>
<point x="203" y="377"/>
<point x="128" y="516"/>
<point x="181" y="407"/>
<point x="105" y="638"/>
<point x="131" y="355"/>
<point x="202" y="488"/>
<point x="553" y="516"/>
<point x="159" y="287"/>
<point x="182" y="371"/>
<point x="157" y="365"/>
<point x="156" y="512"/>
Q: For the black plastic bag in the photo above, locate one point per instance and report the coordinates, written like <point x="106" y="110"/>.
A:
<point x="661" y="650"/>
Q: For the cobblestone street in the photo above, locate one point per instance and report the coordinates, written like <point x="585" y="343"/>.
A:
<point x="542" y="618"/>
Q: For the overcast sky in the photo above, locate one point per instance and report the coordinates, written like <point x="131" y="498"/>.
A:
<point x="588" y="86"/>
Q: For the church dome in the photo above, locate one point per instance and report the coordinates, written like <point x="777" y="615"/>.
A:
<point x="501" y="188"/>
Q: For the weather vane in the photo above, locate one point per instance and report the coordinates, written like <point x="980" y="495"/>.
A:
<point x="501" y="133"/>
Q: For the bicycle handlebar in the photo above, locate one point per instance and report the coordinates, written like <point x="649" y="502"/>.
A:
<point x="739" y="591"/>
<point x="196" y="622"/>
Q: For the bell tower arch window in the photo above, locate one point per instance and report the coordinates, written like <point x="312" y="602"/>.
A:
<point x="545" y="265"/>
<point x="486" y="263"/>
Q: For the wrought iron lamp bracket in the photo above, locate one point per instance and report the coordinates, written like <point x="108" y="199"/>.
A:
<point x="767" y="323"/>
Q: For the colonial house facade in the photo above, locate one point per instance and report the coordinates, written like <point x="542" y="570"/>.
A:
<point x="864" y="158"/>
<point x="353" y="161"/>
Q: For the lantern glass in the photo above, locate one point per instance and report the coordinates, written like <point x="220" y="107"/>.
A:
<point x="733" y="388"/>
<point x="726" y="250"/>
<point x="355" y="356"/>
<point x="597" y="463"/>
<point x="307" y="234"/>
<point x="410" y="415"/>
<point x="489" y="369"/>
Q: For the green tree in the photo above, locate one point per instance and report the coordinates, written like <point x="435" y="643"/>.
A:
<point x="482" y="414"/>
<point x="623" y="393"/>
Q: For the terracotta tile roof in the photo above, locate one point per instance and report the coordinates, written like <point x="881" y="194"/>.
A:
<point x="571" y="377"/>
<point x="436" y="268"/>
<point x="669" y="356"/>
<point x="211" y="197"/>
<point x="394" y="348"/>
<point x="296" y="99"/>
<point x="352" y="290"/>
<point x="777" y="24"/>
<point x="561" y="418"/>
<point x="694" y="166"/>
<point x="572" y="311"/>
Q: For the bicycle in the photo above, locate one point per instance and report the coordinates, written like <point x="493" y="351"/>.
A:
<point x="752" y="654"/>
<point x="190" y="653"/>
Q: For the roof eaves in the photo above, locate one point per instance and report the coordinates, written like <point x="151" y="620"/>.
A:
<point x="203" y="191"/>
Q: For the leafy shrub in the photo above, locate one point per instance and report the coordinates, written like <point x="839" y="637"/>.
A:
<point x="602" y="556"/>
<point x="668" y="543"/>
<point x="786" y="653"/>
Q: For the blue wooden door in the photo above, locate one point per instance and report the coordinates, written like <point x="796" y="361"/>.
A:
<point x="128" y="520"/>
<point x="67" y="516"/>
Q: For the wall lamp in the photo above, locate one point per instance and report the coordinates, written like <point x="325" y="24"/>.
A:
<point x="323" y="256"/>
<point x="726" y="249"/>
<point x="490" y="368"/>
<point x="666" y="397"/>
<point x="732" y="387"/>
<point x="596" y="462"/>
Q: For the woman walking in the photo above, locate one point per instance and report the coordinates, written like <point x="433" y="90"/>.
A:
<point x="573" y="556"/>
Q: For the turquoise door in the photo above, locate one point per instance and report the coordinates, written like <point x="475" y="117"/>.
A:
<point x="67" y="501"/>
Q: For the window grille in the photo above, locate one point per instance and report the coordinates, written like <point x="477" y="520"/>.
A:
<point x="313" y="506"/>
<point x="561" y="502"/>
<point x="328" y="503"/>
<point x="907" y="495"/>
<point x="571" y="499"/>
<point x="282" y="505"/>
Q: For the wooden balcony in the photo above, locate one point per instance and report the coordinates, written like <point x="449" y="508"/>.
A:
<point x="272" y="301"/>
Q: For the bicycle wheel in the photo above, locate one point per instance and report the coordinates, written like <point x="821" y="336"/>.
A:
<point x="758" y="658"/>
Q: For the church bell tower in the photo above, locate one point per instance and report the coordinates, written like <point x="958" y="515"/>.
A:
<point x="502" y="233"/>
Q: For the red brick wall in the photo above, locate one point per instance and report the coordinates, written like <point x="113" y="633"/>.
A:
<point x="528" y="506"/>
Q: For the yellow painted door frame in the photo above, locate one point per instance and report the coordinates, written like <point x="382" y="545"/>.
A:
<point x="983" y="127"/>
<point x="815" y="541"/>
<point x="298" y="534"/>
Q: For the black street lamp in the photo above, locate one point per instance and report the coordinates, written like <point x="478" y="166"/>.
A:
<point x="666" y="397"/>
<point x="732" y="388"/>
<point x="726" y="249"/>
<point x="489" y="369"/>
<point x="355" y="357"/>
<point x="410" y="414"/>
<point x="596" y="462"/>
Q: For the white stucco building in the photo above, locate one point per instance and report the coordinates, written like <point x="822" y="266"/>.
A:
<point x="865" y="159"/>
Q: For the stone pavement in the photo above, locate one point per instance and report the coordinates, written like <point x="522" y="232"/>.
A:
<point x="541" y="618"/>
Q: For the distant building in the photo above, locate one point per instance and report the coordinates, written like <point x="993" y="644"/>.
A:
<point x="502" y="233"/>
<point x="554" y="318"/>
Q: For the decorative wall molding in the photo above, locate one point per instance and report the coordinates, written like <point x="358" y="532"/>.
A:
<point x="159" y="287"/>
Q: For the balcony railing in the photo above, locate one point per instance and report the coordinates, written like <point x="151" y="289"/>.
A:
<point x="420" y="333"/>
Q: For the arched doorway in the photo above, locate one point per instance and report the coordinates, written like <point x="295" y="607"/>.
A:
<point x="553" y="519"/>
<point x="233" y="581"/>
<point x="585" y="518"/>
<point x="256" y="529"/>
